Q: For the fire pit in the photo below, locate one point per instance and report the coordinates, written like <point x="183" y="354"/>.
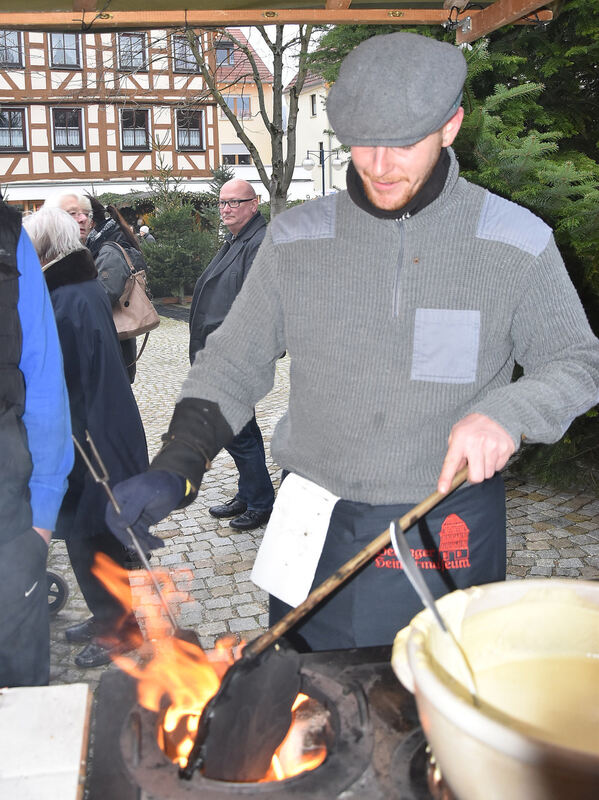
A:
<point x="375" y="748"/>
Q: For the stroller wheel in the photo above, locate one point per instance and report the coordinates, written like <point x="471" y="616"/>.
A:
<point x="58" y="592"/>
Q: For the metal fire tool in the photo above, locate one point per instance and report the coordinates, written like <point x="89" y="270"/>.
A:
<point x="256" y="693"/>
<point x="100" y="475"/>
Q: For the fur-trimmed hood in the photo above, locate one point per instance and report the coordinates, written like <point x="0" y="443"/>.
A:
<point x="76" y="267"/>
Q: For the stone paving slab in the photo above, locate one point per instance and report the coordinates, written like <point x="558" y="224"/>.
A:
<point x="549" y="533"/>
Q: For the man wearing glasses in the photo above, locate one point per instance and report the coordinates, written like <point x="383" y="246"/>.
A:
<point x="213" y="296"/>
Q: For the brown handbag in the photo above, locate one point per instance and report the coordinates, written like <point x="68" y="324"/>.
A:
<point x="134" y="314"/>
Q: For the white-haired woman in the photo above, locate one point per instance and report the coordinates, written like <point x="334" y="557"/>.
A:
<point x="101" y="402"/>
<point x="100" y="229"/>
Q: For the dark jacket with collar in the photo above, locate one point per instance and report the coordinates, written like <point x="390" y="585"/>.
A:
<point x="113" y="272"/>
<point x="15" y="464"/>
<point x="221" y="281"/>
<point x="100" y="395"/>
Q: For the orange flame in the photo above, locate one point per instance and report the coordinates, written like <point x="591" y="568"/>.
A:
<point x="187" y="677"/>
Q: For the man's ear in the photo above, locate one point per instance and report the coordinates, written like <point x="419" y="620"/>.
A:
<point x="450" y="130"/>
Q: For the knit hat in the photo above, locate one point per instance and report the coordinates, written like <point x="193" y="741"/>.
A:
<point x="144" y="229"/>
<point x="394" y="90"/>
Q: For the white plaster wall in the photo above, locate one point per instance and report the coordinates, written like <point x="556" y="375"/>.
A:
<point x="38" y="80"/>
<point x="39" y="138"/>
<point x="18" y="78"/>
<point x="22" y="167"/>
<point x="37" y="58"/>
<point x="38" y="115"/>
<point x="41" y="163"/>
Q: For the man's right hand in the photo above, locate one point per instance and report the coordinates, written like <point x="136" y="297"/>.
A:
<point x="481" y="443"/>
<point x="144" y="500"/>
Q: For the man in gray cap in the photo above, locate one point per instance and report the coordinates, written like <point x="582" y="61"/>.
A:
<point x="403" y="304"/>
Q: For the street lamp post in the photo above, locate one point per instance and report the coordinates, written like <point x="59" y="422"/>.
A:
<point x="323" y="155"/>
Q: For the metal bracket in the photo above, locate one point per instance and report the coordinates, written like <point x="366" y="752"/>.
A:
<point x="465" y="25"/>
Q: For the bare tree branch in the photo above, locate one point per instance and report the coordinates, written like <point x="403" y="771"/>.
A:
<point x="209" y="76"/>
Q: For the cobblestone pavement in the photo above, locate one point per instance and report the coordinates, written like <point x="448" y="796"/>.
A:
<point x="550" y="533"/>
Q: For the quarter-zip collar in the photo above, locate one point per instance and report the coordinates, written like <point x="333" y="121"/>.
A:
<point x="429" y="191"/>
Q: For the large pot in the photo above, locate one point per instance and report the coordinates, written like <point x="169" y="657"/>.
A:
<point x="534" y="649"/>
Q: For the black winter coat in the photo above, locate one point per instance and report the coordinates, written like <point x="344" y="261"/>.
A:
<point x="100" y="394"/>
<point x="219" y="284"/>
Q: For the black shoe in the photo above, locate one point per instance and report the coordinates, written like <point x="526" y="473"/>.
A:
<point x="133" y="561"/>
<point x="250" y="520"/>
<point x="82" y="632"/>
<point x="96" y="654"/>
<point x="232" y="508"/>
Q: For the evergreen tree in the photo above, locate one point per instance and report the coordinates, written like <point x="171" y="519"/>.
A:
<point x="220" y="176"/>
<point x="181" y="251"/>
<point x="564" y="55"/>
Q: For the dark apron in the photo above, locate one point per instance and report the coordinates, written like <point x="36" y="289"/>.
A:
<point x="460" y="543"/>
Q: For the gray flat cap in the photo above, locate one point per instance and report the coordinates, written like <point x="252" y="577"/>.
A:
<point x="394" y="90"/>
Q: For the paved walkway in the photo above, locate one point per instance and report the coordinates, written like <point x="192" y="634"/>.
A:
<point x="549" y="533"/>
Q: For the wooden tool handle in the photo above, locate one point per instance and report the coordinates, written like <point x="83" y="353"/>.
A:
<point x="347" y="569"/>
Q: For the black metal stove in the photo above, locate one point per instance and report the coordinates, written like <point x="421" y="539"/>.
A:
<point x="378" y="750"/>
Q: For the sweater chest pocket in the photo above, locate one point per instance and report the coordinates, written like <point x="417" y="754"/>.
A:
<point x="446" y="343"/>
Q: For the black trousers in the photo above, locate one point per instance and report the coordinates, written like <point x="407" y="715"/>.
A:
<point x="24" y="619"/>
<point x="109" y="613"/>
<point x="254" y="486"/>
<point x="460" y="543"/>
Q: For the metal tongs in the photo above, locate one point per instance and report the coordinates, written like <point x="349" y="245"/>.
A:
<point x="100" y="475"/>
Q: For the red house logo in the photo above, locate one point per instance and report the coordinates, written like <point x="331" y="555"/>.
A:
<point x="453" y="542"/>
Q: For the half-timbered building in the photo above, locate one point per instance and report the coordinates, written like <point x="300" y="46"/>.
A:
<point x="101" y="111"/>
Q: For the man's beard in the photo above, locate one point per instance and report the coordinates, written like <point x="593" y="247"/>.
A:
<point x="391" y="204"/>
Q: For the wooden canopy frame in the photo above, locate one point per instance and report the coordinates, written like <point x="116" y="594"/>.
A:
<point x="81" y="15"/>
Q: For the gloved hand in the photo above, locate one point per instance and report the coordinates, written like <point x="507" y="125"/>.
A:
<point x="144" y="500"/>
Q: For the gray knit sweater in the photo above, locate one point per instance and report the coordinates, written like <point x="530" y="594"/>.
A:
<point x="395" y="331"/>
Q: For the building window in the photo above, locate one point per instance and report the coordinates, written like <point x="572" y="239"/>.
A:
<point x="134" y="130"/>
<point x="312" y="105"/>
<point x="239" y="105"/>
<point x="225" y="54"/>
<point x="132" y="52"/>
<point x="66" y="123"/>
<point x="64" y="50"/>
<point x="10" y="49"/>
<point x="235" y="154"/>
<point x="183" y="57"/>
<point x="190" y="130"/>
<point x="12" y="129"/>
<point x="237" y="158"/>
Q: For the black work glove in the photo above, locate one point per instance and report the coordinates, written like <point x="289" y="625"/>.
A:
<point x="144" y="500"/>
<point x="196" y="433"/>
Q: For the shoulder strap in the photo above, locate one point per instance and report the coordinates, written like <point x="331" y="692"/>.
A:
<point x="125" y="254"/>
